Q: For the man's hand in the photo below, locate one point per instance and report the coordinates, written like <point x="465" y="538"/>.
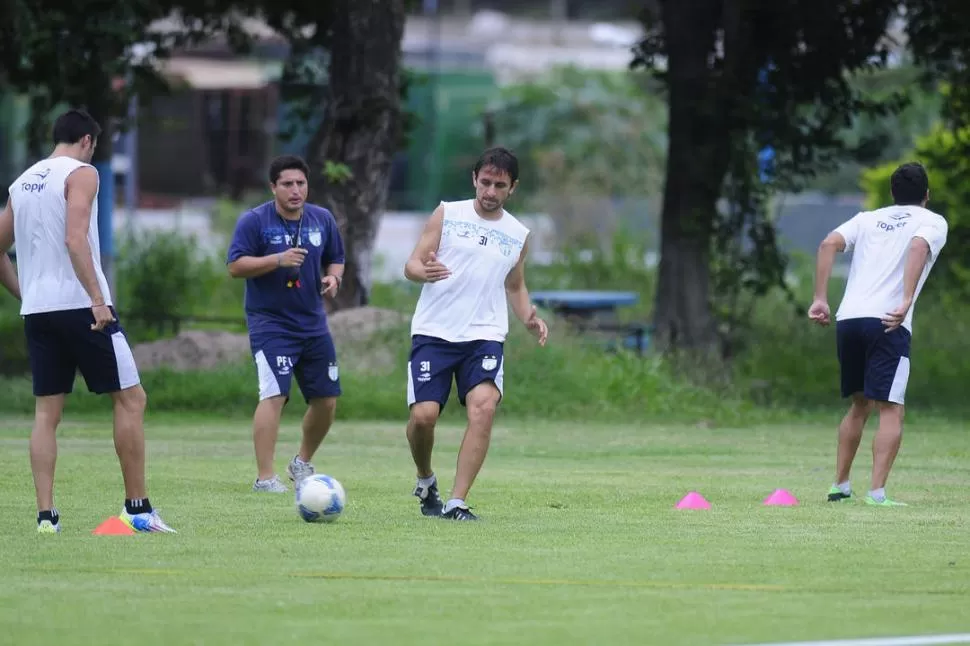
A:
<point x="537" y="326"/>
<point x="819" y="312"/>
<point x="329" y="285"/>
<point x="892" y="320"/>
<point x="292" y="257"/>
<point x="434" y="270"/>
<point x="102" y="316"/>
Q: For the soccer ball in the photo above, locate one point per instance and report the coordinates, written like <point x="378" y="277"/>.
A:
<point x="320" y="499"/>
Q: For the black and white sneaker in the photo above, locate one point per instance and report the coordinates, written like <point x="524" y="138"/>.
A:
<point x="459" y="513"/>
<point x="431" y="504"/>
<point x="836" y="494"/>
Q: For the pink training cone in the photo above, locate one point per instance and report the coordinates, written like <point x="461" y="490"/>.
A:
<point x="693" y="500"/>
<point x="781" y="498"/>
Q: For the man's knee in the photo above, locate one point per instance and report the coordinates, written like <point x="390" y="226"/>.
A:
<point x="424" y="415"/>
<point x="482" y="402"/>
<point x="132" y="400"/>
<point x="891" y="410"/>
<point x="324" y="404"/>
<point x="272" y="404"/>
<point x="48" y="411"/>
<point x="861" y="407"/>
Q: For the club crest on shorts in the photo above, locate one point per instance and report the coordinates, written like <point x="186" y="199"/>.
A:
<point x="315" y="238"/>
<point x="333" y="372"/>
<point x="489" y="363"/>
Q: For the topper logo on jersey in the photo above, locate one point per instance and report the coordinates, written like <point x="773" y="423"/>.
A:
<point x="33" y="187"/>
<point x="885" y="226"/>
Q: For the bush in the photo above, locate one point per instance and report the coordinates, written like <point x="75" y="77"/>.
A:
<point x="568" y="379"/>
<point x="789" y="366"/>
<point x="13" y="344"/>
<point x="167" y="275"/>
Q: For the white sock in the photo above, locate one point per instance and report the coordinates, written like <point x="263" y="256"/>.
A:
<point x="878" y="494"/>
<point x="424" y="483"/>
<point x="844" y="487"/>
<point x="454" y="502"/>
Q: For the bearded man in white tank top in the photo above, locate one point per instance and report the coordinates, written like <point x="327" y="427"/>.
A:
<point x="471" y="262"/>
<point x="69" y="320"/>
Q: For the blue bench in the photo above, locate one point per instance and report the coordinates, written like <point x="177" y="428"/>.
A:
<point x="596" y="310"/>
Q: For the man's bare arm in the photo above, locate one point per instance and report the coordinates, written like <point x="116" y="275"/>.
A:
<point x="416" y="269"/>
<point x="518" y="293"/>
<point x="919" y="252"/>
<point x="81" y="189"/>
<point x="825" y="259"/>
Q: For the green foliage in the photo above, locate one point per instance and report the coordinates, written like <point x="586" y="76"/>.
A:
<point x="168" y="275"/>
<point x="74" y="53"/>
<point x="226" y="212"/>
<point x="943" y="152"/>
<point x="738" y="81"/>
<point x="337" y="173"/>
<point x="787" y="365"/>
<point x="568" y="379"/>
<point x="13" y="345"/>
<point x="583" y="133"/>
<point x="875" y="139"/>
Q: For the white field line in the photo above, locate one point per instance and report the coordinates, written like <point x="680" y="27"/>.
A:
<point x="916" y="640"/>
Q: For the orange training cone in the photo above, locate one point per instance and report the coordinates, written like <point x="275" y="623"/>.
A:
<point x="114" y="526"/>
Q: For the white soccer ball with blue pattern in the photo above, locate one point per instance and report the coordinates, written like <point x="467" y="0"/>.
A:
<point x="320" y="499"/>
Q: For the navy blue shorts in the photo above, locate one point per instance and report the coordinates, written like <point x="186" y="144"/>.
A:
<point x="62" y="343"/>
<point x="873" y="362"/>
<point x="279" y="357"/>
<point x="434" y="362"/>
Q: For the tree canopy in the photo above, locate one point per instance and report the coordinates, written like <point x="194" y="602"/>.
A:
<point x="743" y="75"/>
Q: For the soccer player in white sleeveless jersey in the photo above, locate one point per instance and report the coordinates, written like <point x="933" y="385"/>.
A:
<point x="69" y="319"/>
<point x="471" y="261"/>
<point x="894" y="250"/>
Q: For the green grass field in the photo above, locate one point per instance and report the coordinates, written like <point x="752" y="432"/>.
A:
<point x="579" y="542"/>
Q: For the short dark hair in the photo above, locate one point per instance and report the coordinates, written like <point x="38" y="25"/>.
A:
<point x="287" y="162"/>
<point x="72" y="126"/>
<point x="500" y="159"/>
<point x="909" y="184"/>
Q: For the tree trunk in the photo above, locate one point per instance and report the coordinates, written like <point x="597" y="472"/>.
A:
<point x="696" y="165"/>
<point x="360" y="130"/>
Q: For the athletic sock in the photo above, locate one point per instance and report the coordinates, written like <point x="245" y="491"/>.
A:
<point x="424" y="483"/>
<point x="138" y="506"/>
<point x="48" y="514"/>
<point x="454" y="502"/>
<point x="879" y="494"/>
<point x="844" y="487"/>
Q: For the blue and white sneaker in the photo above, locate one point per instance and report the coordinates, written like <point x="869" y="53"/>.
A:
<point x="298" y="470"/>
<point x="273" y="485"/>
<point x="431" y="504"/>
<point x="150" y="522"/>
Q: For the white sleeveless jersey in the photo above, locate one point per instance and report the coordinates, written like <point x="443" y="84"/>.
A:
<point x="471" y="305"/>
<point x="47" y="279"/>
